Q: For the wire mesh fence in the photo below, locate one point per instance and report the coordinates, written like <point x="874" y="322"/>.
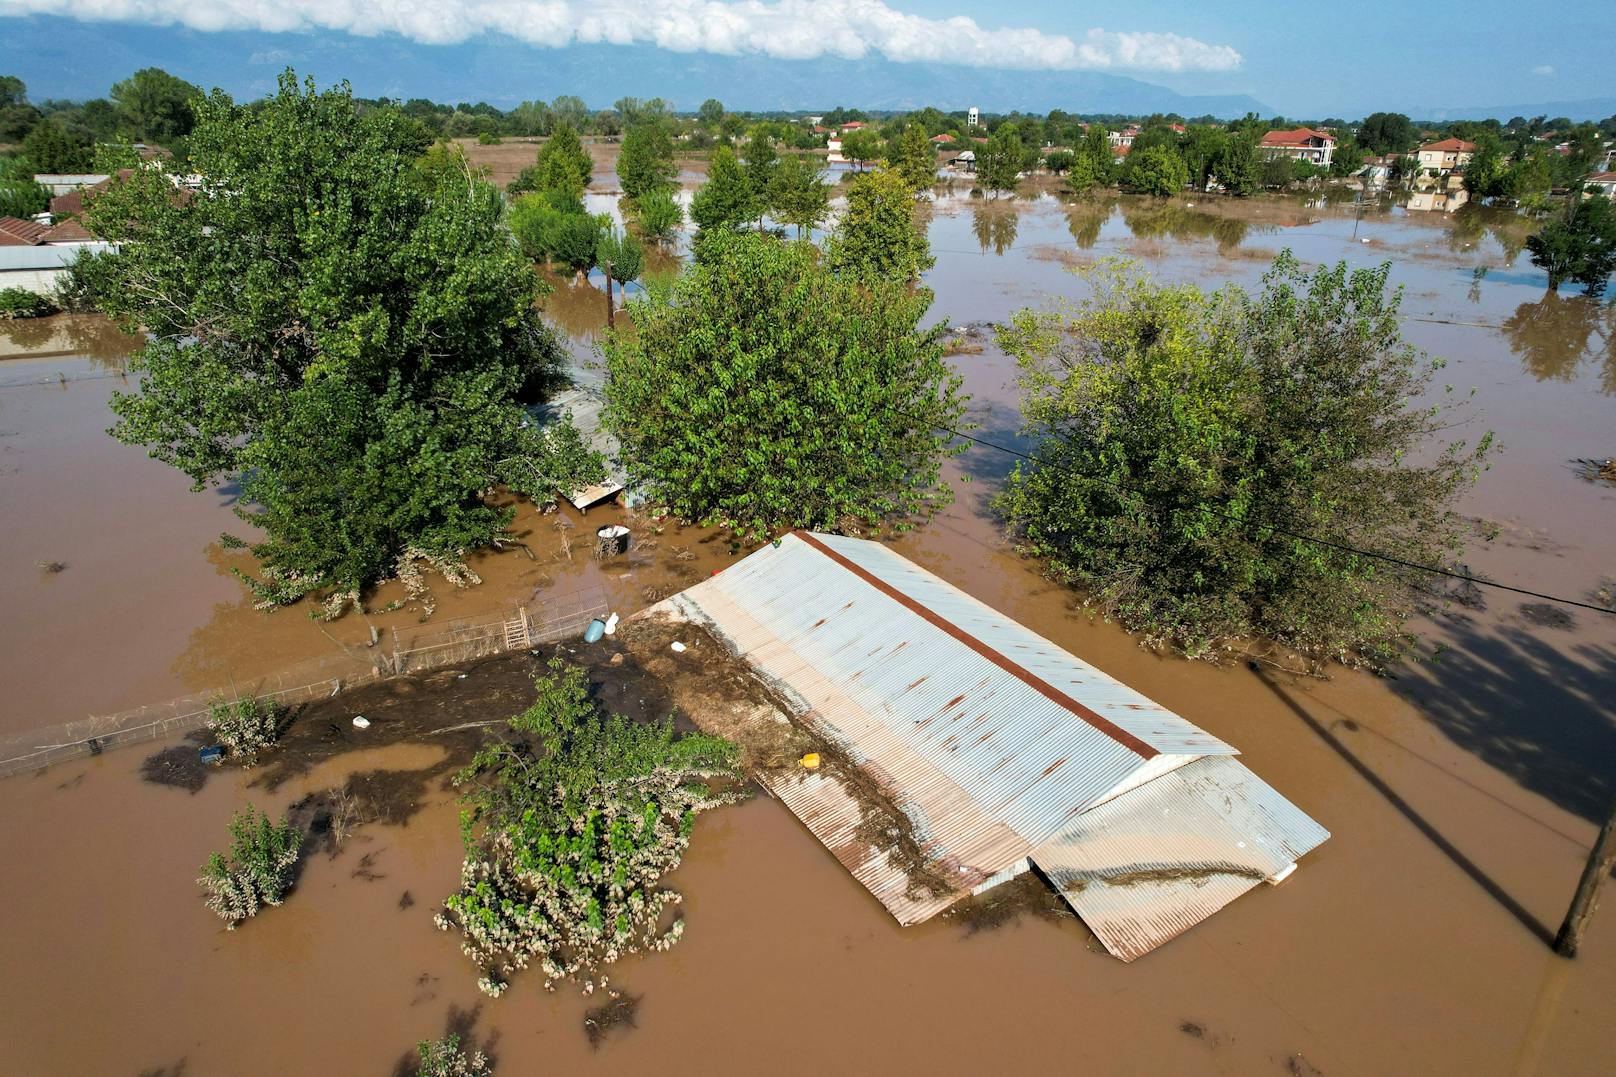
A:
<point x="555" y="617"/>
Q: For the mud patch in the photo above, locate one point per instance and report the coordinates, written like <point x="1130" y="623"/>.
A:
<point x="1195" y="876"/>
<point x="619" y="1014"/>
<point x="1547" y="615"/>
<point x="1025" y="896"/>
<point x="178" y="767"/>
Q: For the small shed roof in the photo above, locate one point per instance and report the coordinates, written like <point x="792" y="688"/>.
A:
<point x="584" y="406"/>
<point x="995" y="744"/>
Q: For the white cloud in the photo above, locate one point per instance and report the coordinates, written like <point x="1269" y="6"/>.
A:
<point x="1544" y="69"/>
<point x="785" y="29"/>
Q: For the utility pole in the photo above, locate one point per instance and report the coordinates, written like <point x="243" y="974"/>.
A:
<point x="1600" y="861"/>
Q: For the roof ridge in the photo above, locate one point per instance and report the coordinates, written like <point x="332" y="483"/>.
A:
<point x="1128" y="740"/>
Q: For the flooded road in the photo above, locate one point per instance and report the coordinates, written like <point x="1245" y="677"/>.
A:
<point x="1461" y="795"/>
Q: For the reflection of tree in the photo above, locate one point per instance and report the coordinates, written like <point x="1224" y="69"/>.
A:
<point x="90" y="335"/>
<point x="1553" y="334"/>
<point x="1085" y="219"/>
<point x="575" y="307"/>
<point x="1153" y="220"/>
<point x="1472" y="222"/>
<point x="995" y="227"/>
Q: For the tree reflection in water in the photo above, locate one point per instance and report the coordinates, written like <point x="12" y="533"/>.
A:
<point x="995" y="227"/>
<point x="1554" y="334"/>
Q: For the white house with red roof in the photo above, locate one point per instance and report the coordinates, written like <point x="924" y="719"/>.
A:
<point x="1445" y="156"/>
<point x="1301" y="143"/>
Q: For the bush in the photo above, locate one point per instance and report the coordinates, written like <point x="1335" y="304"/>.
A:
<point x="764" y="392"/>
<point x="1184" y="439"/>
<point x="21" y="303"/>
<point x="551" y="226"/>
<point x="444" y="1058"/>
<point x="659" y="216"/>
<point x="258" y="870"/>
<point x="569" y="831"/>
<point x="488" y="138"/>
<point x="245" y="727"/>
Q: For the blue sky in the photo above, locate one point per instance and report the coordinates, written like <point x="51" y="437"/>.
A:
<point x="1303" y="60"/>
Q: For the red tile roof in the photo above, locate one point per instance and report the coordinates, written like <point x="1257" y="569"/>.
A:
<point x="1450" y="145"/>
<point x="1602" y="177"/>
<point x="942" y="138"/>
<point x="68" y="231"/>
<point x="1301" y="136"/>
<point x="16" y="232"/>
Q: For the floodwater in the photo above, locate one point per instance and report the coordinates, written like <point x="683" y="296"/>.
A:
<point x="1462" y="794"/>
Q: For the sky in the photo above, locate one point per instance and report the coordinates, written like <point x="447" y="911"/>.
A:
<point x="1302" y="59"/>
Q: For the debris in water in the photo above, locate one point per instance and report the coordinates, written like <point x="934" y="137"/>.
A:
<point x="361" y="722"/>
<point x="810" y="761"/>
<point x="678" y="648"/>
<point x="600" y="1020"/>
<point x="1190" y="1028"/>
<point x="1547" y="615"/>
<point x="406" y="900"/>
<point x="51" y="568"/>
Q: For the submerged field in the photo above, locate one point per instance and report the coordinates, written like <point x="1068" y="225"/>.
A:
<point x="1462" y="794"/>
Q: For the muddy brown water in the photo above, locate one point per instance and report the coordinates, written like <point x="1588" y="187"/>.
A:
<point x="1461" y="795"/>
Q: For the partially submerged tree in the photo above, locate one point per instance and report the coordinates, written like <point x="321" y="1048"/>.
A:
<point x="347" y="335"/>
<point x="765" y="392"/>
<point x="877" y="238"/>
<point x="646" y="161"/>
<point x="1185" y="442"/>
<point x="446" y="1058"/>
<point x="622" y="259"/>
<point x="916" y="159"/>
<point x="562" y="164"/>
<point x="998" y="164"/>
<point x="658" y="215"/>
<point x="1578" y="246"/>
<point x="245" y="726"/>
<point x="1157" y="170"/>
<point x="258" y="869"/>
<point x="800" y="195"/>
<point x="724" y="202"/>
<point x="571" y="826"/>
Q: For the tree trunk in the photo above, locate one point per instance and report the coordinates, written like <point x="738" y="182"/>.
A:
<point x="1601" y="858"/>
<point x="609" y="304"/>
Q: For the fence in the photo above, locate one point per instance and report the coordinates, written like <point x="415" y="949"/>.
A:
<point x="459" y="641"/>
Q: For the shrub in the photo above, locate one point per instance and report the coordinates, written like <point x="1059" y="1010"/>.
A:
<point x="257" y="871"/>
<point x="21" y="303"/>
<point x="245" y="727"/>
<point x="569" y="831"/>
<point x="659" y="215"/>
<point x="444" y="1058"/>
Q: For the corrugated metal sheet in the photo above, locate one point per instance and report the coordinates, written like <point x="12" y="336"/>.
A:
<point x="584" y="407"/>
<point x="1158" y="860"/>
<point x="994" y="745"/>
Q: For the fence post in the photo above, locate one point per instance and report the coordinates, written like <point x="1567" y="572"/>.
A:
<point x="397" y="667"/>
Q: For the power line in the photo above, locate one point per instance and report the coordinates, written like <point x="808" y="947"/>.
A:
<point x="1435" y="570"/>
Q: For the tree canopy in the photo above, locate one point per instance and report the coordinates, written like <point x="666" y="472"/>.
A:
<point x="725" y="201"/>
<point x="1184" y="440"/>
<point x="763" y="391"/>
<point x="646" y="161"/>
<point x="876" y="238"/>
<point x="916" y="160"/>
<point x="1579" y="245"/>
<point x="156" y="106"/>
<point x="562" y="164"/>
<point x="345" y="334"/>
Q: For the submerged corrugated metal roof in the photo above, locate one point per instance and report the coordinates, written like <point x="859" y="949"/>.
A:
<point x="584" y="407"/>
<point x="993" y="742"/>
<point x="1153" y="863"/>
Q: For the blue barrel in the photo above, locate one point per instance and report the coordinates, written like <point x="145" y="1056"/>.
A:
<point x="596" y="629"/>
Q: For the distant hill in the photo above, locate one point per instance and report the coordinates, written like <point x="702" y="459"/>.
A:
<point x="66" y="58"/>
<point x="1589" y="108"/>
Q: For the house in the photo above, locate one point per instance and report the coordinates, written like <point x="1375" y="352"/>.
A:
<point x="813" y="121"/>
<point x="965" y="162"/>
<point x="973" y="118"/>
<point x="1600" y="183"/>
<point x="1123" y="137"/>
<point x="939" y="140"/>
<point x="957" y="749"/>
<point x="1445" y="156"/>
<point x="62" y="183"/>
<point x="853" y="125"/>
<point x="1431" y="192"/>
<point x="16" y="232"/>
<point x="1301" y="143"/>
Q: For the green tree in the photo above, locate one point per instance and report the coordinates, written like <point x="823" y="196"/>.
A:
<point x="562" y="164"/>
<point x="916" y="160"/>
<point x="622" y="259"/>
<point x="1486" y="175"/>
<point x="764" y="392"/>
<point x="876" y="238"/>
<point x="1277" y="170"/>
<point x="344" y="334"/>
<point x="156" y="106"/>
<point x="658" y="215"/>
<point x="444" y="1058"/>
<point x="646" y="161"/>
<point x="1184" y="440"/>
<point x="1387" y="132"/>
<point x="711" y="112"/>
<point x="1237" y="166"/>
<point x="20" y="196"/>
<point x="1530" y="178"/>
<point x="570" y="111"/>
<point x="762" y="164"/>
<point x="724" y="202"/>
<point x="1059" y="161"/>
<point x="1157" y="170"/>
<point x="998" y="164"/>
<point x="861" y="146"/>
<point x="800" y="195"/>
<point x="1579" y="245"/>
<point x="52" y="148"/>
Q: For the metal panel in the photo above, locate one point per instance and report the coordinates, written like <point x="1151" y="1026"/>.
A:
<point x="1156" y="861"/>
<point x="584" y="407"/>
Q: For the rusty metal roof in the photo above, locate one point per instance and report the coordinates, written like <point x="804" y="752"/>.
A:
<point x="989" y="739"/>
<point x="1153" y="863"/>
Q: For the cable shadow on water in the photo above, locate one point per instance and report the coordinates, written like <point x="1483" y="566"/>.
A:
<point x="1407" y="810"/>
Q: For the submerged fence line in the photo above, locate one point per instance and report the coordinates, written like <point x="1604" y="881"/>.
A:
<point x="456" y="642"/>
